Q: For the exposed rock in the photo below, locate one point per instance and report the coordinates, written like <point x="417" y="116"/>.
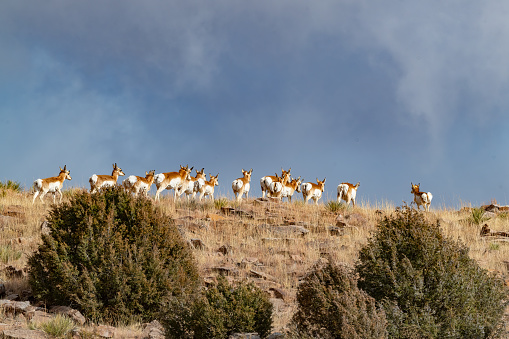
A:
<point x="210" y="281"/>
<point x="276" y="335"/>
<point x="279" y="293"/>
<point x="153" y="330"/>
<point x="232" y="211"/>
<point x="226" y="270"/>
<point x="40" y="316"/>
<point x="12" y="296"/>
<point x="198" y="244"/>
<point x="20" y="333"/>
<point x="350" y="220"/>
<point x="486" y="232"/>
<point x="262" y="275"/>
<point x="297" y="223"/>
<point x="225" y="249"/>
<point x="246" y="262"/>
<point x="191" y="226"/>
<point x="15" y="308"/>
<point x="104" y="331"/>
<point x="337" y="231"/>
<point x="70" y="312"/>
<point x="244" y="336"/>
<point x="285" y="230"/>
<point x="45" y="229"/>
<point x="276" y="240"/>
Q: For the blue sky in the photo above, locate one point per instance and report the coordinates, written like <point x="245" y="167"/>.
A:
<point x="385" y="93"/>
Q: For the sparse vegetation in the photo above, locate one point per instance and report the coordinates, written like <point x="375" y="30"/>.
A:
<point x="428" y="285"/>
<point x="8" y="254"/>
<point x="335" y="206"/>
<point x="11" y="185"/>
<point x="221" y="202"/>
<point x="282" y="259"/>
<point x="478" y="216"/>
<point x="113" y="256"/>
<point x="57" y="327"/>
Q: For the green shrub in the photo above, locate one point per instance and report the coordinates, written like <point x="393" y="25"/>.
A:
<point x="9" y="185"/>
<point x="219" y="312"/>
<point x="330" y="305"/>
<point x="220" y="203"/>
<point x="335" y="206"/>
<point x="112" y="256"/>
<point x="478" y="216"/>
<point x="427" y="284"/>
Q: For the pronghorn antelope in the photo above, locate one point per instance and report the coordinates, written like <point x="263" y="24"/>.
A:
<point x="172" y="180"/>
<point x="241" y="186"/>
<point x="276" y="187"/>
<point x="53" y="184"/>
<point x="313" y="191"/>
<point x="290" y="188"/>
<point x="421" y="198"/>
<point x="208" y="187"/>
<point x="135" y="184"/>
<point x="347" y="192"/>
<point x="193" y="185"/>
<point x="100" y="181"/>
<point x="266" y="181"/>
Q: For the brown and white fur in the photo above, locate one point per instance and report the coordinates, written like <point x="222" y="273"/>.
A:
<point x="172" y="180"/>
<point x="421" y="198"/>
<point x="52" y="185"/>
<point x="290" y="188"/>
<point x="276" y="187"/>
<point x="208" y="187"/>
<point x="266" y="181"/>
<point x="194" y="185"/>
<point x="313" y="191"/>
<point x="135" y="184"/>
<point x="100" y="181"/>
<point x="347" y="192"/>
<point x="241" y="186"/>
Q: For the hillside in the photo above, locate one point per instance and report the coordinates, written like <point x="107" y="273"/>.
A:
<point x="271" y="243"/>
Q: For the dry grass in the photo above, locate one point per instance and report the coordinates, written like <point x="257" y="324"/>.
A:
<point x="256" y="250"/>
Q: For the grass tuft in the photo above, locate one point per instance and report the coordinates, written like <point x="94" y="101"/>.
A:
<point x="59" y="326"/>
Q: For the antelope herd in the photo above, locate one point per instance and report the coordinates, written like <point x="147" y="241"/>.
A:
<point x="276" y="187"/>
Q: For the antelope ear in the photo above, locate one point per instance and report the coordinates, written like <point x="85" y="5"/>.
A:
<point x="217" y="175"/>
<point x="324" y="180"/>
<point x="251" y="170"/>
<point x="289" y="170"/>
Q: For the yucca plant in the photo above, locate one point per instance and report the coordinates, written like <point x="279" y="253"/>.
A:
<point x="334" y="206"/>
<point x="11" y="185"/>
<point x="478" y="216"/>
<point x="220" y="203"/>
